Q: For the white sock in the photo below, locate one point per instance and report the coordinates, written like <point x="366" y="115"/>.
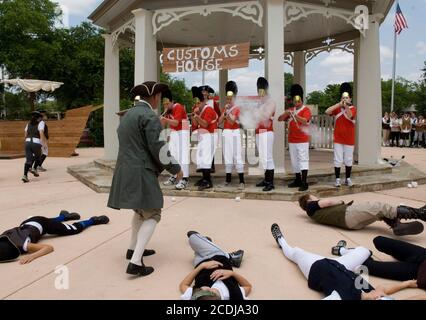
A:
<point x="344" y="251"/>
<point x="287" y="250"/>
<point x="144" y="235"/>
<point x="136" y="225"/>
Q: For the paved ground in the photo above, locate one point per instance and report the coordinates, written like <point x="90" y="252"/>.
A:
<point x="96" y="261"/>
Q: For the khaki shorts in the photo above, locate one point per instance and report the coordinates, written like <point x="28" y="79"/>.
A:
<point x="149" y="214"/>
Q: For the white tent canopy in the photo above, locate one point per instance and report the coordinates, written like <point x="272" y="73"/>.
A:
<point x="34" y="85"/>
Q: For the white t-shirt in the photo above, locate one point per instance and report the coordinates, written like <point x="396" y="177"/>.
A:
<point x="220" y="286"/>
<point x="40" y="127"/>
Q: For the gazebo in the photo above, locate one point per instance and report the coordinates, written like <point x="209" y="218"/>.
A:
<point x="279" y="31"/>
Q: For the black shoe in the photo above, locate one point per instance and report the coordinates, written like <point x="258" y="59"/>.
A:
<point x="205" y="185"/>
<point x="261" y="184"/>
<point x="198" y="183"/>
<point x="408" y="213"/>
<point x="276" y="233"/>
<point x="236" y="258"/>
<point x="405" y="229"/>
<point x="146" y="253"/>
<point x="303" y="187"/>
<point x="69" y="215"/>
<point x="140" y="271"/>
<point x="100" y="220"/>
<point x="295" y="184"/>
<point x="268" y="187"/>
<point x="34" y="172"/>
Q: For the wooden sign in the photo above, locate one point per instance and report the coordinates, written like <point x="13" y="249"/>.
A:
<point x="191" y="59"/>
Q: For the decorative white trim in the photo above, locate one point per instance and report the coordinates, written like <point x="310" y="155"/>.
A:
<point x="289" y="58"/>
<point x="294" y="11"/>
<point x="249" y="10"/>
<point x="129" y="25"/>
<point x="345" y="46"/>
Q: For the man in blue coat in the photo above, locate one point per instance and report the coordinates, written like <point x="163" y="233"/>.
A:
<point x="142" y="156"/>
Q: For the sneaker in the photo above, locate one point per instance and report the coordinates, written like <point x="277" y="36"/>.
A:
<point x="336" y="249"/>
<point x="41" y="169"/>
<point x="349" y="182"/>
<point x="338" y="183"/>
<point x="100" y="220"/>
<point x="170" y="182"/>
<point x="236" y="258"/>
<point x="34" y="172"/>
<point x="25" y="179"/>
<point x="276" y="233"/>
<point x="68" y="216"/>
<point x="182" y="185"/>
<point x="241" y="186"/>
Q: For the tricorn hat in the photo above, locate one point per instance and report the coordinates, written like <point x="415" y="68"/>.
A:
<point x="207" y="88"/>
<point x="148" y="89"/>
<point x="345" y="88"/>
<point x="8" y="250"/>
<point x="231" y="88"/>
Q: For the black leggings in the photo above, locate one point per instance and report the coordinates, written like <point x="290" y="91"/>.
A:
<point x="53" y="227"/>
<point x="409" y="258"/>
<point x="32" y="155"/>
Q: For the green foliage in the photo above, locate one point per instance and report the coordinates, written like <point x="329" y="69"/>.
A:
<point x="405" y="93"/>
<point x="324" y="99"/>
<point x="288" y="82"/>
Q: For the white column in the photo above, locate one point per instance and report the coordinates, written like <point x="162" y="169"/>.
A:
<point x="274" y="71"/>
<point x="300" y="70"/>
<point x="355" y="94"/>
<point x="223" y="79"/>
<point x="111" y="98"/>
<point x="369" y="96"/>
<point x="146" y="58"/>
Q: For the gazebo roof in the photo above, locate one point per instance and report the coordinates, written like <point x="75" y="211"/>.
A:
<point x="221" y="27"/>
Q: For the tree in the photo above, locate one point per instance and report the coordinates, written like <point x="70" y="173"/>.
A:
<point x="288" y="82"/>
<point x="404" y="94"/>
<point x="29" y="46"/>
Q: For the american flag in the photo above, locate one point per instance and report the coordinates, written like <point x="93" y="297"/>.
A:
<point x="400" y="22"/>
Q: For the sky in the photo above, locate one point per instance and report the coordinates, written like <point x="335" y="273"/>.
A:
<point x="327" y="68"/>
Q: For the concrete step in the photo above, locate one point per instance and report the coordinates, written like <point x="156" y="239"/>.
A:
<point x="99" y="179"/>
<point x="254" y="175"/>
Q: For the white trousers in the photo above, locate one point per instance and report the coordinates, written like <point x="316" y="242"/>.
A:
<point x="299" y="155"/>
<point x="343" y="153"/>
<point x="179" y="149"/>
<point x="232" y="150"/>
<point x="207" y="143"/>
<point x="265" y="146"/>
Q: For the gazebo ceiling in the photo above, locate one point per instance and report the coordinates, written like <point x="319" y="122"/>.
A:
<point x="220" y="27"/>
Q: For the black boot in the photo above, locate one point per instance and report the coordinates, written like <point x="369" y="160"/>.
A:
<point x="404" y="229"/>
<point x="337" y="172"/>
<point x="304" y="185"/>
<point x="297" y="182"/>
<point x="408" y="213"/>
<point x="228" y="178"/>
<point x="269" y="181"/>
<point x="140" y="271"/>
<point x="68" y="216"/>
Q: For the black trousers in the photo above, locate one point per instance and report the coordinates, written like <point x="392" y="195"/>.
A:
<point x="394" y="136"/>
<point x="32" y="153"/>
<point x="53" y="227"/>
<point x="409" y="258"/>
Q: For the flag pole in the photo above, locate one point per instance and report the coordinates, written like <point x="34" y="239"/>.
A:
<point x="394" y="67"/>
